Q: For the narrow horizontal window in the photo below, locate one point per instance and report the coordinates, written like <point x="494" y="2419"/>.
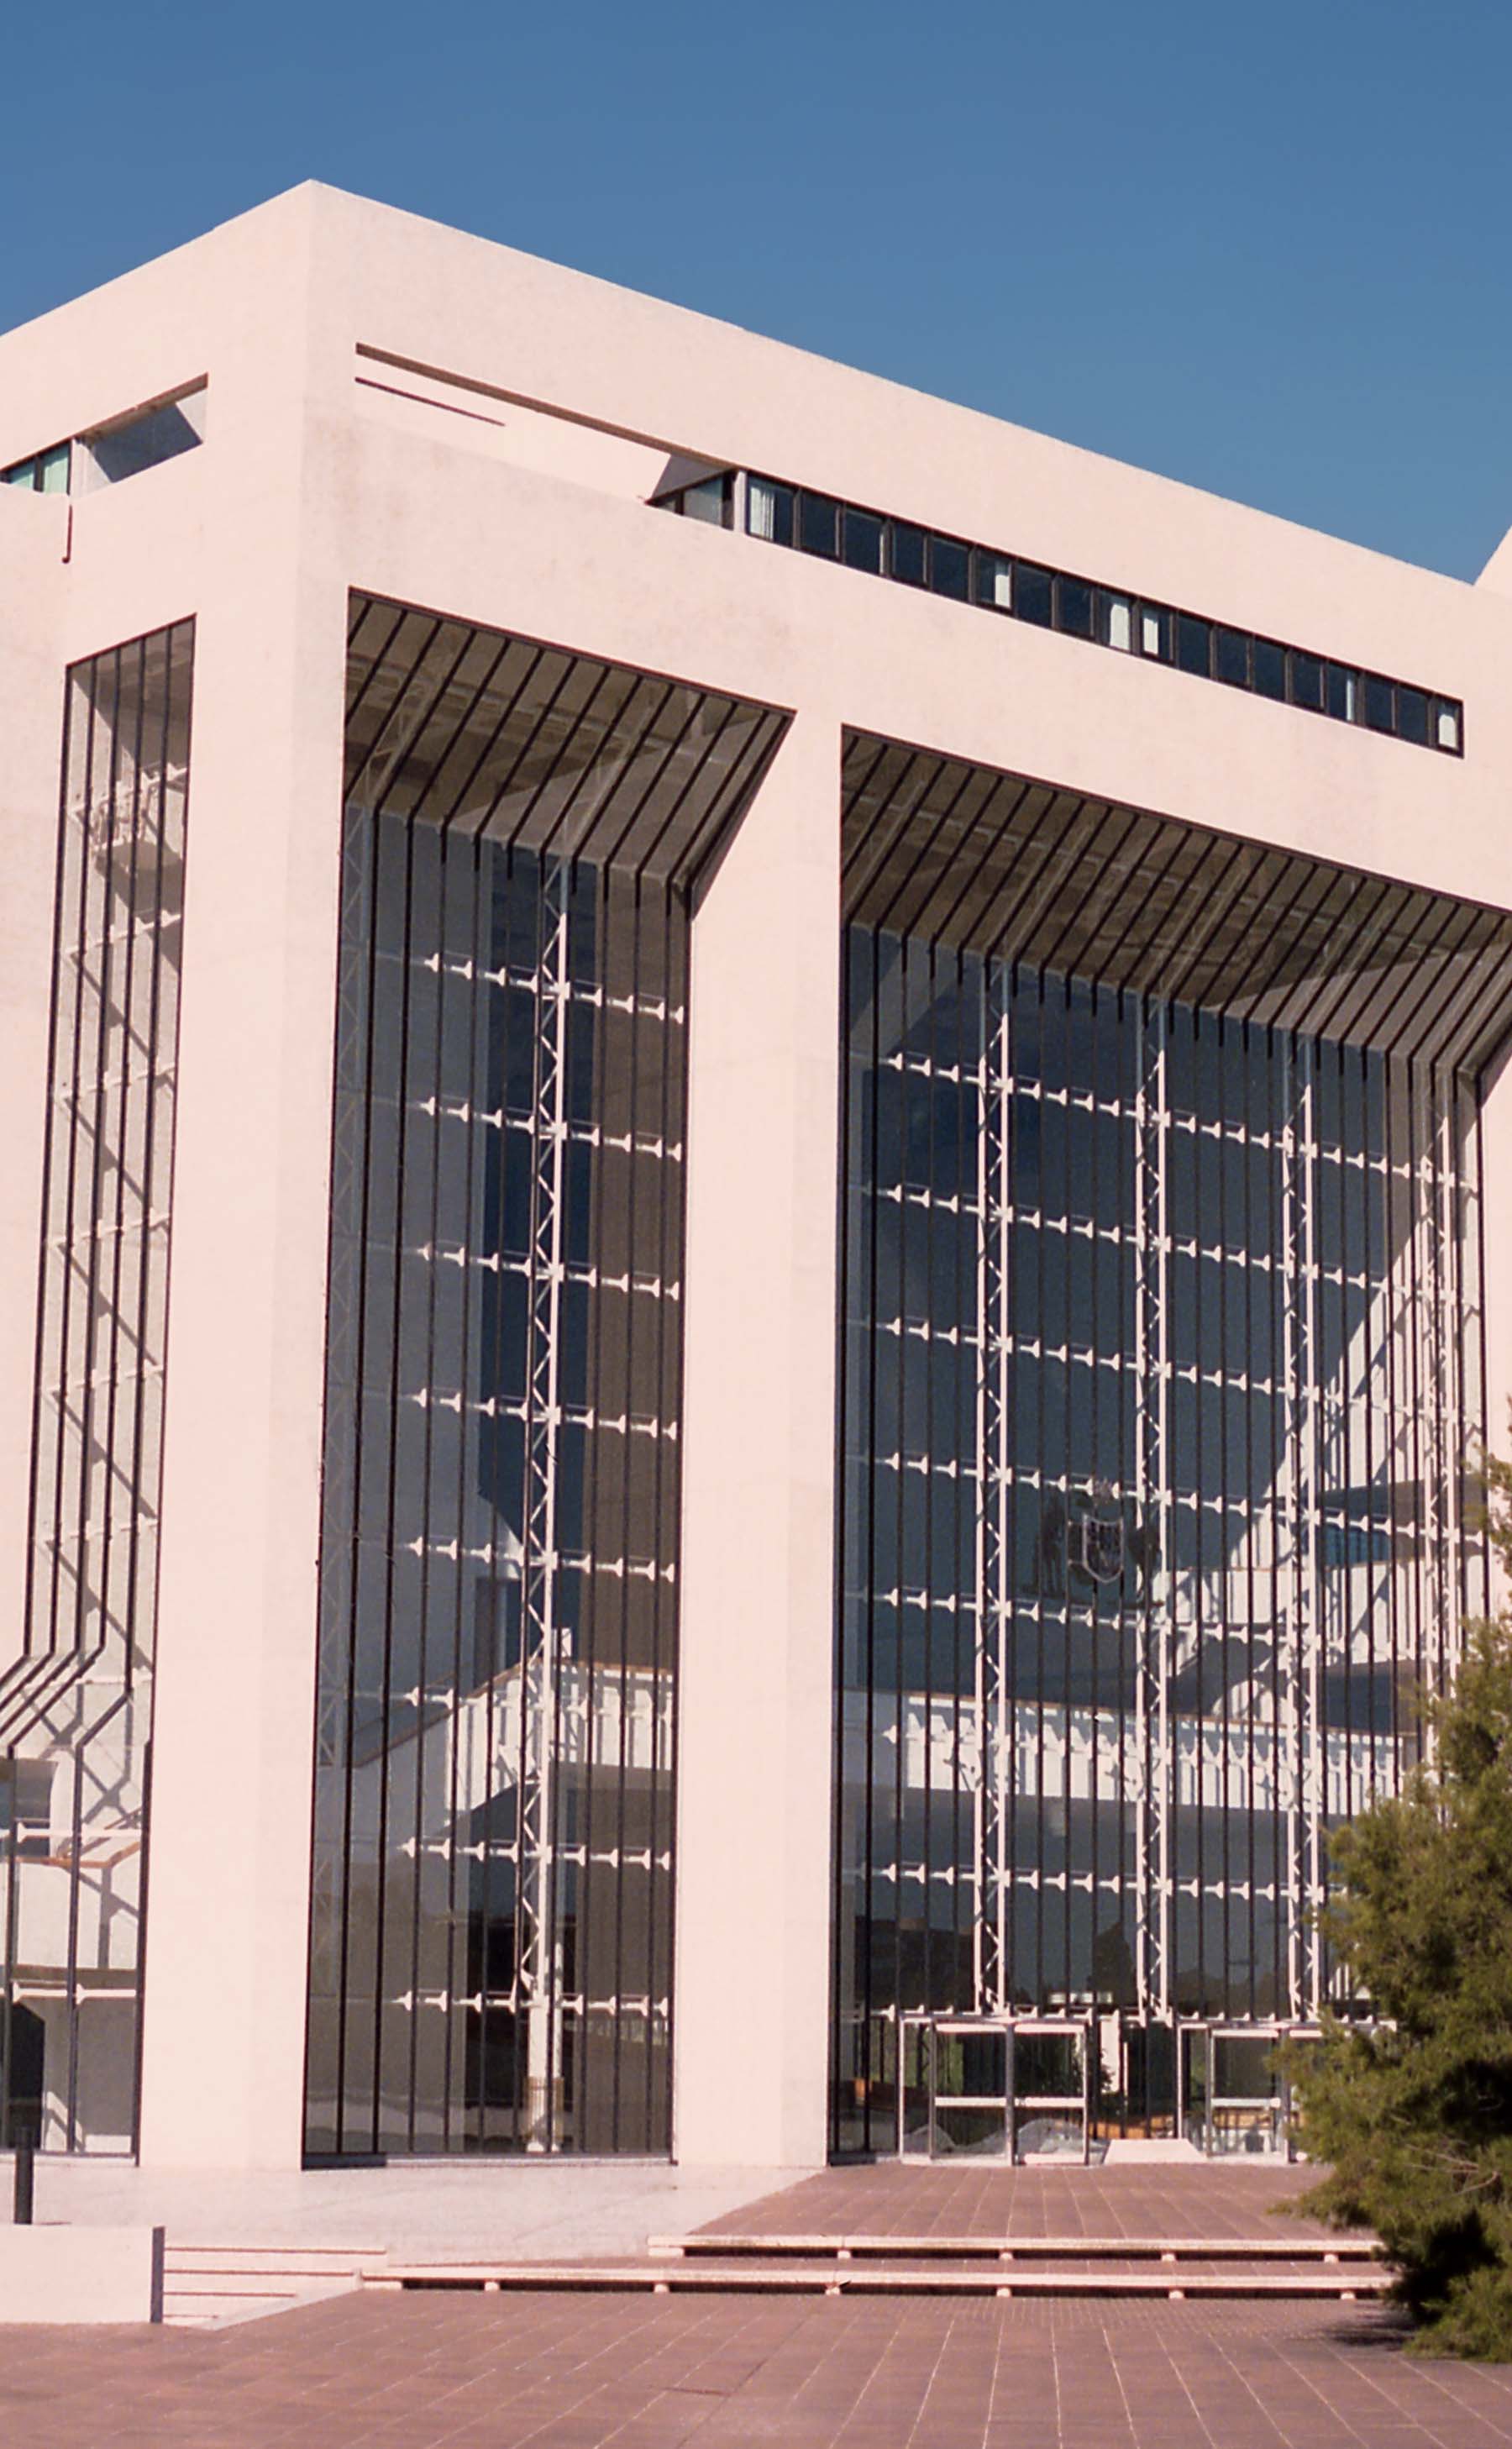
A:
<point x="1193" y="645"/>
<point x="1307" y="681"/>
<point x="1231" y="657"/>
<point x="819" y="525"/>
<point x="1048" y="598"/>
<point x="949" y="568"/>
<point x="1380" y="706"/>
<point x="709" y="501"/>
<point x="905" y="558"/>
<point x="1073" y="606"/>
<point x="1116" y="622"/>
<point x="1032" y="593"/>
<point x="769" y="511"/>
<point x="863" y="541"/>
<point x="1412" y="716"/>
<point x="1270" y="668"/>
<point x="1155" y="631"/>
<point x="993" y="580"/>
<point x="45" y="473"/>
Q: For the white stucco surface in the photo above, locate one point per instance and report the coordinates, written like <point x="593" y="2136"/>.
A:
<point x="325" y="469"/>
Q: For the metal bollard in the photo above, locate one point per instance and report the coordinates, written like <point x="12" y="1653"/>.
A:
<point x="25" y="2182"/>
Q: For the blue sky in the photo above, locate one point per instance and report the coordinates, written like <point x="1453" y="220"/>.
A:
<point x="1263" y="249"/>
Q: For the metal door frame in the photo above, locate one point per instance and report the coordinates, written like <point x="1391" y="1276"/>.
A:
<point x="1010" y="2028"/>
<point x="1081" y="2028"/>
<point x="1209" y="2032"/>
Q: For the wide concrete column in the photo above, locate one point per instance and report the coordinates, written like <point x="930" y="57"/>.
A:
<point x="755" y="1708"/>
<point x="227" y="1910"/>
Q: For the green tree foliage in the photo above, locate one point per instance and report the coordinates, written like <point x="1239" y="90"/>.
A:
<point x="1413" y="2116"/>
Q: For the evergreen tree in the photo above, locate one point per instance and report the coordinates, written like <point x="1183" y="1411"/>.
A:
<point x="1413" y="2114"/>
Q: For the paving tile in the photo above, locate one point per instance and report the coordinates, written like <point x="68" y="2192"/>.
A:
<point x="469" y="2372"/>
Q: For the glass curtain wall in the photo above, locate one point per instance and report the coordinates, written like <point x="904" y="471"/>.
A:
<point x="1161" y="1367"/>
<point x="75" y="1706"/>
<point x="491" y="1942"/>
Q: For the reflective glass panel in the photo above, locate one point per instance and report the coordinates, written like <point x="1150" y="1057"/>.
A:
<point x="1193" y="643"/>
<point x="819" y="525"/>
<point x="863" y="540"/>
<point x="1307" y="681"/>
<point x="1380" y="703"/>
<point x="1231" y="657"/>
<point x="1073" y="606"/>
<point x="907" y="553"/>
<point x="1268" y="668"/>
<point x="1113" y="1268"/>
<point x="78" y="1699"/>
<point x="1033" y="593"/>
<point x="949" y="568"/>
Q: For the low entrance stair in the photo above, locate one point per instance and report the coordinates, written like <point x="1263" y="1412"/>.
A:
<point x="206" y="2285"/>
<point x="1341" y="2268"/>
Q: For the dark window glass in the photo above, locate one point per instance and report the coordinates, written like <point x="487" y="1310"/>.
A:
<point x="906" y="559"/>
<point x="1412" y="716"/>
<point x="863" y="540"/>
<point x="1153" y="633"/>
<point x="819" y="524"/>
<point x="1380" y="713"/>
<point x="949" y="568"/>
<point x="1031" y="593"/>
<point x="1338" y="684"/>
<point x="769" y="511"/>
<point x="992" y="580"/>
<point x="1231" y="657"/>
<point x="1307" y="680"/>
<point x="23" y="472"/>
<point x="1073" y="606"/>
<point x="1270" y="668"/>
<point x="1193" y="645"/>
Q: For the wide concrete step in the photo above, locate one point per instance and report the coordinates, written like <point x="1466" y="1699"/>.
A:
<point x="256" y="2260"/>
<point x="1342" y="2283"/>
<point x="706" y="2245"/>
<point x="206" y="2284"/>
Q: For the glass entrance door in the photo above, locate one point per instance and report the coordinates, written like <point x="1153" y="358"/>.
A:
<point x="1232" y="2095"/>
<point x="970" y="2103"/>
<point x="985" y="2090"/>
<point x="1050" y="2090"/>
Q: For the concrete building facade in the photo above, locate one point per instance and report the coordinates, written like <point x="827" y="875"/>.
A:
<point x="752" y="1240"/>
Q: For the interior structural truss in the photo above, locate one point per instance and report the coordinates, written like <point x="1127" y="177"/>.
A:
<point x="1164" y="1370"/>
<point x="526" y="830"/>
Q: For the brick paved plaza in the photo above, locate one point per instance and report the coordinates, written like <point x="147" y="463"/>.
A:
<point x="557" y="2372"/>
<point x="451" y="2371"/>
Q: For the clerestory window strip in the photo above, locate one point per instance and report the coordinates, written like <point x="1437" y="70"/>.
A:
<point x="1046" y="598"/>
